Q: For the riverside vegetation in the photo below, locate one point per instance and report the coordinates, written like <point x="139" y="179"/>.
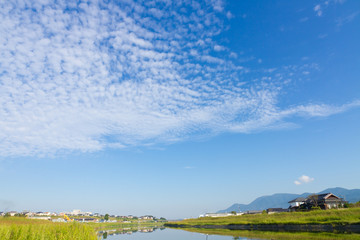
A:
<point x="21" y="228"/>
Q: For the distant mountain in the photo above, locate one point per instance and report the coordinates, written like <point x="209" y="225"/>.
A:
<point x="280" y="200"/>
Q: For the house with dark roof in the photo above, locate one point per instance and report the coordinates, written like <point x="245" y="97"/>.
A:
<point x="323" y="201"/>
<point x="296" y="203"/>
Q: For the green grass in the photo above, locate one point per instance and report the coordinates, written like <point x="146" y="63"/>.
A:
<point x="19" y="228"/>
<point x="276" y="235"/>
<point x="334" y="216"/>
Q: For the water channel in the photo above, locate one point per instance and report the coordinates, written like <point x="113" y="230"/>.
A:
<point x="179" y="234"/>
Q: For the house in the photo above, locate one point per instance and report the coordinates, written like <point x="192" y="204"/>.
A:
<point x="276" y="210"/>
<point x="12" y="213"/>
<point x="25" y="212"/>
<point x="296" y="203"/>
<point x="147" y="217"/>
<point x="324" y="201"/>
<point x="76" y="212"/>
<point x="29" y="214"/>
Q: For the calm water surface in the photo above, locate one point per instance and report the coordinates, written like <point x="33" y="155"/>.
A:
<point x="163" y="234"/>
<point x="142" y="233"/>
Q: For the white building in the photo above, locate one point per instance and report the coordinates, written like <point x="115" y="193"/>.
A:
<point x="76" y="212"/>
<point x="297" y="202"/>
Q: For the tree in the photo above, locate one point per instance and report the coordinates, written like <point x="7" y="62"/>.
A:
<point x="313" y="200"/>
<point x="106" y="217"/>
<point x="233" y="212"/>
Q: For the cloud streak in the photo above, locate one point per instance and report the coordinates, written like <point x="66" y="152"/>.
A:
<point x="89" y="76"/>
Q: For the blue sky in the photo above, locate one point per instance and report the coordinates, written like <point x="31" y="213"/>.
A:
<point x="176" y="109"/>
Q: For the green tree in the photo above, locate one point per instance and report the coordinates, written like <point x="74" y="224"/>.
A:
<point x="106" y="217"/>
<point x="233" y="212"/>
<point x="314" y="200"/>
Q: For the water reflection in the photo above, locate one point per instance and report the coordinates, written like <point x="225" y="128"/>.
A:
<point x="104" y="234"/>
<point x="154" y="233"/>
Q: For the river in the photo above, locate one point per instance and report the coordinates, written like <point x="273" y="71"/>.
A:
<point x="163" y="234"/>
<point x="179" y="234"/>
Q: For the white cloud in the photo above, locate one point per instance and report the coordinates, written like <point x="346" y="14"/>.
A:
<point x="229" y="15"/>
<point x="304" y="19"/>
<point x="318" y="10"/>
<point x="303" y="179"/>
<point x="218" y="5"/>
<point x="322" y="7"/>
<point x="116" y="76"/>
<point x="233" y="55"/>
<point x="297" y="182"/>
<point x="219" y="48"/>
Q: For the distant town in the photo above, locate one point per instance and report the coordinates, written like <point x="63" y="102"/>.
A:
<point x="78" y="215"/>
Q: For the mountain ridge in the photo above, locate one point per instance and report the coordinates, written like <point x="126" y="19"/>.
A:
<point x="280" y="200"/>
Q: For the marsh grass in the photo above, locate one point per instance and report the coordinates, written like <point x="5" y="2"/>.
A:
<point x="18" y="228"/>
<point x="334" y="216"/>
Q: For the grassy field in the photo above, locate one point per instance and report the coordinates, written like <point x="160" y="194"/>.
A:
<point x="19" y="228"/>
<point x="334" y="216"/>
<point x="239" y="234"/>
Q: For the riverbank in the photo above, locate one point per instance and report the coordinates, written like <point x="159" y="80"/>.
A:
<point x="336" y="220"/>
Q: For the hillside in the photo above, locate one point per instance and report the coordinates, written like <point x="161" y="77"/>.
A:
<point x="280" y="200"/>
